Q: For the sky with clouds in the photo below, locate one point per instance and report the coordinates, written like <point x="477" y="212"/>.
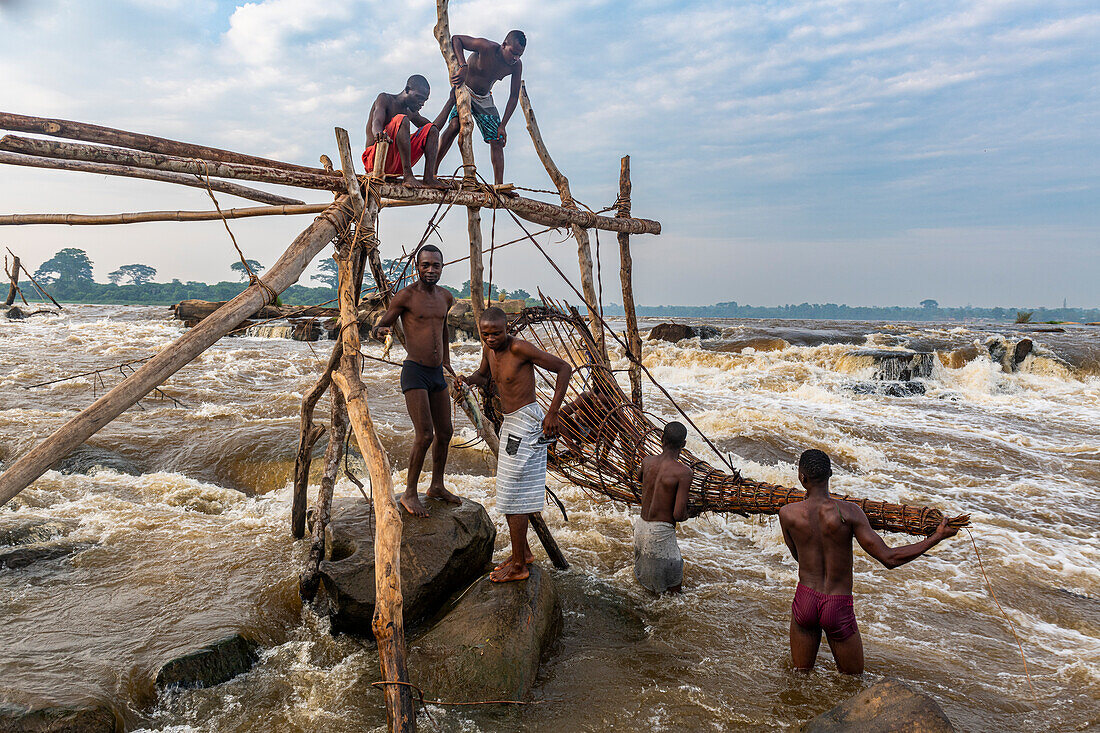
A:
<point x="870" y="153"/>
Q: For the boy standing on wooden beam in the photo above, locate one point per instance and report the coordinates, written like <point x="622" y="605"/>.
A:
<point x="489" y="62"/>
<point x="521" y="463"/>
<point x="389" y="120"/>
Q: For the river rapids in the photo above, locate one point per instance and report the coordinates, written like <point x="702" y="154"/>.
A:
<point x="179" y="534"/>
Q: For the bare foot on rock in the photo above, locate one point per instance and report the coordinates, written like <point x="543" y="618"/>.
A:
<point x="510" y="572"/>
<point x="528" y="558"/>
<point x="413" y="505"/>
<point x="438" y="492"/>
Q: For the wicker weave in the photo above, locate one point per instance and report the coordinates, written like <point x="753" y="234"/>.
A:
<point x="603" y="444"/>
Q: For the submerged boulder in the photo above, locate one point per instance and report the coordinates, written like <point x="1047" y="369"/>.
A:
<point x="58" y="720"/>
<point x="885" y="707"/>
<point x="14" y="558"/>
<point x="440" y="555"/>
<point x="488" y="647"/>
<point x="219" y="662"/>
<point x="85" y="458"/>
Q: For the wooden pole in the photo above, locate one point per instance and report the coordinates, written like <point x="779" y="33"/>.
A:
<point x="542" y="531"/>
<point x="584" y="249"/>
<point x="137" y="141"/>
<point x="537" y="212"/>
<point x="142" y="217"/>
<point x="393" y="194"/>
<point x="465" y="146"/>
<point x="183" y="179"/>
<point x="41" y="291"/>
<point x="156" y="161"/>
<point x="284" y="273"/>
<point x="388" y="626"/>
<point x="308" y="435"/>
<point x="311" y="578"/>
<point x="626" y="274"/>
<point x="13" y="275"/>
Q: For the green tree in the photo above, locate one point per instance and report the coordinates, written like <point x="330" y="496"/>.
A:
<point x="242" y="272"/>
<point x="520" y="294"/>
<point x="69" y="264"/>
<point x="137" y="274"/>
<point x="328" y="273"/>
<point x="929" y="304"/>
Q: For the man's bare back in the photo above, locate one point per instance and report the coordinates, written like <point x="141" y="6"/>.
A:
<point x="818" y="531"/>
<point x="486" y="65"/>
<point x="665" y="482"/>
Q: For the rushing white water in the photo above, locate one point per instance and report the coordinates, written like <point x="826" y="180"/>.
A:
<point x="195" y="544"/>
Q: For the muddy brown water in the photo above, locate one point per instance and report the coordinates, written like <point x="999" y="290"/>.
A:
<point x="196" y="544"/>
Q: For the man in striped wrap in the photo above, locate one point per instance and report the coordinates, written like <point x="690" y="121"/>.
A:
<point x="521" y="463"/>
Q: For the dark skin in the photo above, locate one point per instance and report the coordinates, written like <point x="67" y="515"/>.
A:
<point x="511" y="362"/>
<point x="665" y="483"/>
<point x="422" y="308"/>
<point x="409" y="102"/>
<point x="489" y="62"/>
<point x="819" y="531"/>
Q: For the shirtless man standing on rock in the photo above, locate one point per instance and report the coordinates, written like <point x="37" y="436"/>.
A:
<point x="390" y="119"/>
<point x="423" y="308"/>
<point x="521" y="462"/>
<point x="819" y="531"/>
<point x="489" y="62"/>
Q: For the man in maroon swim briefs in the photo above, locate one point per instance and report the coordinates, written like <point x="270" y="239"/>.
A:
<point x="819" y="531"/>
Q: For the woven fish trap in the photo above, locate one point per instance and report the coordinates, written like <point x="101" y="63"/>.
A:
<point x="604" y="436"/>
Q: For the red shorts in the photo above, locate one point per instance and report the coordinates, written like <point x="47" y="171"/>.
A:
<point x="417" y="141"/>
<point x="832" y="614"/>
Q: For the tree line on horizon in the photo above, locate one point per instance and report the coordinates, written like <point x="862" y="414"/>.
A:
<point x="68" y="277"/>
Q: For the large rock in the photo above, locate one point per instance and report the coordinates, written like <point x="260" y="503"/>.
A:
<point x="674" y="332"/>
<point x="440" y="555"/>
<point x="85" y="458"/>
<point x="461" y="319"/>
<point x="886" y="707"/>
<point x="219" y="662"/>
<point x="58" y="720"/>
<point x="14" y="558"/>
<point x="489" y="646"/>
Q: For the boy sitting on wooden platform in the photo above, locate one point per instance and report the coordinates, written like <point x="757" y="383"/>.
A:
<point x="665" y="482"/>
<point x="389" y="120"/>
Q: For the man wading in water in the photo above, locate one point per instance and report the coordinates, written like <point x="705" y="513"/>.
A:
<point x="819" y="531"/>
<point x="521" y="463"/>
<point x="489" y="63"/>
<point x="423" y="308"/>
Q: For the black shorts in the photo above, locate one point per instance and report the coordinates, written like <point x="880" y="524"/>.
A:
<point x="418" y="376"/>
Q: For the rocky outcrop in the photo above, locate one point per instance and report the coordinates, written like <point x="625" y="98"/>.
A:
<point x="460" y="321"/>
<point x="488" y="647"/>
<point x="20" y="531"/>
<point x="86" y="457"/>
<point x="219" y="662"/>
<point x="440" y="555"/>
<point x="58" y="720"/>
<point x="14" y="558"/>
<point x="673" y="332"/>
<point x="885" y="707"/>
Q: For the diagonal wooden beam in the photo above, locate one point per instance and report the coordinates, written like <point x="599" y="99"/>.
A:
<point x="284" y="273"/>
<point x="137" y="141"/>
<point x="183" y="179"/>
<point x="141" y="217"/>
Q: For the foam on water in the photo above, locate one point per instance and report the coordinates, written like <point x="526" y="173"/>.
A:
<point x="197" y="546"/>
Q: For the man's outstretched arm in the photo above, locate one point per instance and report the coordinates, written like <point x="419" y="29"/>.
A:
<point x="550" y="363"/>
<point x="892" y="557"/>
